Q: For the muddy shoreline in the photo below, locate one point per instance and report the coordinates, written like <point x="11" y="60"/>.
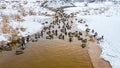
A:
<point x="55" y="53"/>
<point x="94" y="52"/>
<point x="48" y="54"/>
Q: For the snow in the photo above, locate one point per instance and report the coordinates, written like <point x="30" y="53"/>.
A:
<point x="81" y="27"/>
<point x="80" y="4"/>
<point x="57" y="3"/>
<point x="32" y="24"/>
<point x="104" y="18"/>
<point x="106" y="23"/>
<point x="108" y="26"/>
<point x="8" y="12"/>
<point x="2" y="38"/>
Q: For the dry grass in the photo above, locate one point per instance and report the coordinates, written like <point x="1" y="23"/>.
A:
<point x="7" y="29"/>
<point x="31" y="12"/>
<point x="4" y="23"/>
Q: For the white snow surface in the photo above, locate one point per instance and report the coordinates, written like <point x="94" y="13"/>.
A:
<point x="32" y="24"/>
<point x="106" y="24"/>
<point x="57" y="3"/>
<point x="109" y="27"/>
<point x="2" y="38"/>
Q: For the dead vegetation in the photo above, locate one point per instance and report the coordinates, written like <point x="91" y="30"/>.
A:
<point x="9" y="30"/>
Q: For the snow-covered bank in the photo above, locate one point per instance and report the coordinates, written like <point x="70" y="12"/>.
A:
<point x="109" y="27"/>
<point x="26" y="14"/>
<point x="22" y="17"/>
<point x="107" y="9"/>
<point x="32" y="24"/>
<point x="104" y="18"/>
<point x="57" y="3"/>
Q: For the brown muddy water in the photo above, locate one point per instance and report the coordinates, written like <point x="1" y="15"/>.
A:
<point x="48" y="54"/>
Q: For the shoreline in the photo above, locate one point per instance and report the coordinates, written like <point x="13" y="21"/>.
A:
<point x="91" y="52"/>
<point x="94" y="53"/>
<point x="61" y="54"/>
